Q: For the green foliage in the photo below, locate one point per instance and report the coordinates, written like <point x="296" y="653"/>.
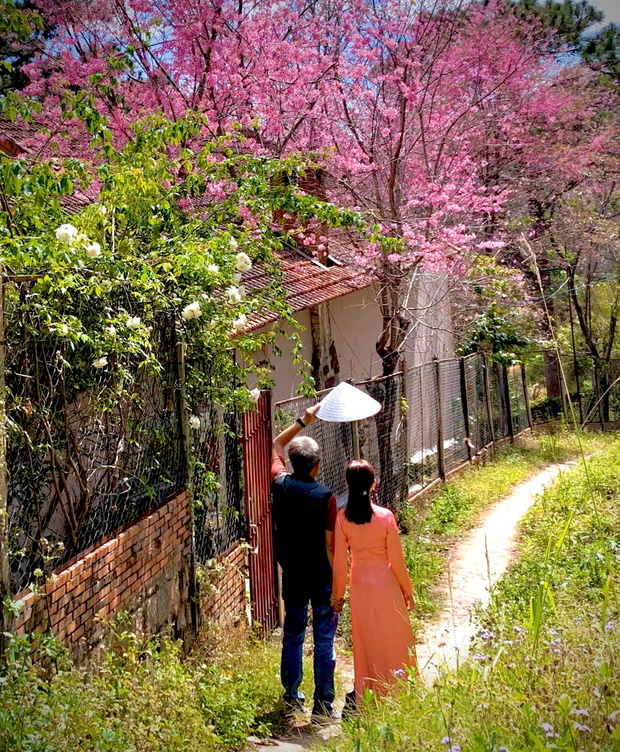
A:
<point x="602" y="51"/>
<point x="144" y="697"/>
<point x="22" y="34"/>
<point x="569" y="18"/>
<point x="496" y="330"/>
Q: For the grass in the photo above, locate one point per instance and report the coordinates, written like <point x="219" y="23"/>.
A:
<point x="457" y="505"/>
<point x="544" y="672"/>
<point x="145" y="697"/>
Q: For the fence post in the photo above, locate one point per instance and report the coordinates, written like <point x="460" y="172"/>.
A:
<point x="511" y="430"/>
<point x="403" y="412"/>
<point x="186" y="454"/>
<point x="404" y="393"/>
<point x="526" y="397"/>
<point x="487" y="396"/>
<point x="5" y="574"/>
<point x="441" y="457"/>
<point x="599" y="397"/>
<point x="465" y="406"/>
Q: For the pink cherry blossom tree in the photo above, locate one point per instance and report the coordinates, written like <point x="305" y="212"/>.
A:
<point x="428" y="119"/>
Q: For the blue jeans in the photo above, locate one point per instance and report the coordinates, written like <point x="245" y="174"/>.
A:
<point x="324" y="623"/>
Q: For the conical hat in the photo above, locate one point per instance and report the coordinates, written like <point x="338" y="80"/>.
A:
<point x="346" y="403"/>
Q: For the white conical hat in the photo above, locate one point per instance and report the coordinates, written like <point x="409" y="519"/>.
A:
<point x="346" y="403"/>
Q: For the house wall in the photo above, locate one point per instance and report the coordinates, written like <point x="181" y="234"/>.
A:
<point x="145" y="569"/>
<point x="285" y="371"/>
<point x="356" y="326"/>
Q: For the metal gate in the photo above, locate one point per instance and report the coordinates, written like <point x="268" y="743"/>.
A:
<point x="257" y="476"/>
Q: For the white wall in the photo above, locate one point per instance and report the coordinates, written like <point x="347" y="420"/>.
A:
<point x="356" y="326"/>
<point x="430" y="335"/>
<point x="285" y="371"/>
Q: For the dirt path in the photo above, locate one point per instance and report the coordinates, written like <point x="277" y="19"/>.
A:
<point x="475" y="564"/>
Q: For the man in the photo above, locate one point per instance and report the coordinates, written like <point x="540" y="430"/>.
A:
<point x="305" y="519"/>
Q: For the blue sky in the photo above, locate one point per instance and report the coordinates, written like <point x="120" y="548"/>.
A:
<point x="611" y="9"/>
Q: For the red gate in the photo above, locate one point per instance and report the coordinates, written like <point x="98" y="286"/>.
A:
<point x="257" y="475"/>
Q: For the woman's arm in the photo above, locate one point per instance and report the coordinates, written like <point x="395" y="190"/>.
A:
<point x="397" y="560"/>
<point x="340" y="566"/>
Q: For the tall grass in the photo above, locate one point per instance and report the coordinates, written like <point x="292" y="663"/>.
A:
<point x="544" y="672"/>
<point x="432" y="527"/>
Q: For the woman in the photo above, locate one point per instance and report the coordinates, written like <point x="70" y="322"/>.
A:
<point x="380" y="590"/>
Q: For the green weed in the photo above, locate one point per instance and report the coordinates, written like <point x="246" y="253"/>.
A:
<point x="457" y="505"/>
<point x="543" y="672"/>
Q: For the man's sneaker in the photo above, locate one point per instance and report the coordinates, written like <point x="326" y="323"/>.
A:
<point x="324" y="714"/>
<point x="295" y="705"/>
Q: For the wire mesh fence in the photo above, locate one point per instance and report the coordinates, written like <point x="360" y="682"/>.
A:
<point x="383" y="440"/>
<point x="219" y="515"/>
<point x="77" y="470"/>
<point x="81" y="467"/>
<point x="452" y="414"/>
<point x="591" y="384"/>
<point x="479" y="427"/>
<point x="435" y="416"/>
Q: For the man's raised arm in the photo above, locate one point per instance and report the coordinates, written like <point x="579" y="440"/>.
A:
<point x="278" y="464"/>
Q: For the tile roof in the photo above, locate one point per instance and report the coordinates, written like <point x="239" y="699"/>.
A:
<point x="307" y="284"/>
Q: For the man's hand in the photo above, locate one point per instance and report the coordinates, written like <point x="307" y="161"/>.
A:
<point x="337" y="604"/>
<point x="410" y="602"/>
<point x="286" y="436"/>
<point x="310" y="414"/>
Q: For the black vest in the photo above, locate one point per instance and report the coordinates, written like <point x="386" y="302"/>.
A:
<point x="300" y="510"/>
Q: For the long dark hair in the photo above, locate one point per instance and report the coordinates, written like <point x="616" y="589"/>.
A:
<point x="360" y="477"/>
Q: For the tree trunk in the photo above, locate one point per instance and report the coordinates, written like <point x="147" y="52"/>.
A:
<point x="552" y="375"/>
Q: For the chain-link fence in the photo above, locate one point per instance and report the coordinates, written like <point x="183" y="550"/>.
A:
<point x="435" y="417"/>
<point x="591" y="384"/>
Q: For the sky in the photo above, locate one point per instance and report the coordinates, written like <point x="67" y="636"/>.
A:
<point x="611" y="9"/>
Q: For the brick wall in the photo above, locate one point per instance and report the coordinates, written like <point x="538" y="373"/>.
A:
<point x="145" y="569"/>
<point x="227" y="605"/>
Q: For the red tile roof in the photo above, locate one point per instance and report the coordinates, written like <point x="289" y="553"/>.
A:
<point x="306" y="283"/>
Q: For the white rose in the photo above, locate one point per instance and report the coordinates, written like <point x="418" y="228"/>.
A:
<point x="194" y="422"/>
<point x="102" y="210"/>
<point x="67" y="234"/>
<point x="239" y="323"/>
<point x="191" y="311"/>
<point x="233" y="245"/>
<point x="235" y="294"/>
<point x="244" y="262"/>
<point x="105" y="285"/>
<point x="93" y="250"/>
<point x="133" y="322"/>
<point x="110" y="330"/>
<point x="213" y="268"/>
<point x="255" y="395"/>
<point x="100" y="362"/>
<point x="81" y="238"/>
<point x="237" y="277"/>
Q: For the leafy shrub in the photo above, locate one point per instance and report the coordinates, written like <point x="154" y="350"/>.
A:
<point x="144" y="697"/>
